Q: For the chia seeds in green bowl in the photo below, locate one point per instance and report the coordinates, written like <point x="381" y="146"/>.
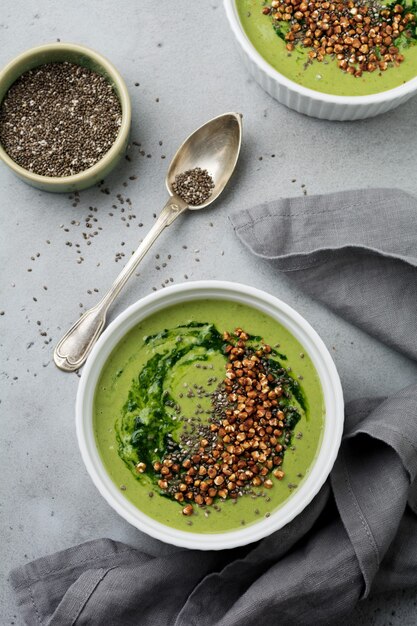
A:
<point x="65" y="117"/>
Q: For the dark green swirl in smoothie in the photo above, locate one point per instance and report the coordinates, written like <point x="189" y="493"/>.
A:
<point x="149" y="426"/>
<point x="148" y="422"/>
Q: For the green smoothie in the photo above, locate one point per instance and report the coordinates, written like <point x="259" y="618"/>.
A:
<point x="171" y="365"/>
<point x="324" y="76"/>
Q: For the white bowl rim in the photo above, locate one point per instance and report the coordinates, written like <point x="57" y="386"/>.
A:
<point x="375" y="98"/>
<point x="331" y="437"/>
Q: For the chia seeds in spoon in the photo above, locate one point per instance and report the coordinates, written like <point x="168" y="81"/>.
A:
<point x="59" y="119"/>
<point x="193" y="186"/>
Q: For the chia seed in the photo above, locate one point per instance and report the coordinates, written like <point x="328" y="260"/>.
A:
<point x="59" y="119"/>
<point x="193" y="186"/>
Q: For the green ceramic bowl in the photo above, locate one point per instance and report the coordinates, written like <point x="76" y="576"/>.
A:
<point x="55" y="53"/>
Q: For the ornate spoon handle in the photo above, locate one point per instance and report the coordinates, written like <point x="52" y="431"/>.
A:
<point x="74" y="347"/>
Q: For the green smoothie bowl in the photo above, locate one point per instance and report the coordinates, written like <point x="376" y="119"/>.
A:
<point x="65" y="117"/>
<point x="209" y="415"/>
<point x="334" y="60"/>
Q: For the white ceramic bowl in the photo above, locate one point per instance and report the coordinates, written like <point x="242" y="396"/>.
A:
<point x="309" y="101"/>
<point x="314" y="346"/>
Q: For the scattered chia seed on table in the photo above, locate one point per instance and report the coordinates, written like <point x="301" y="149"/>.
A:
<point x="59" y="119"/>
<point x="193" y="186"/>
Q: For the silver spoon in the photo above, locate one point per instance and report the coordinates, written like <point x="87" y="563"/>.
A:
<point x="215" y="147"/>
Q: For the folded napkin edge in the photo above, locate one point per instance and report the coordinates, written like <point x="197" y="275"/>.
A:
<point x="23" y="576"/>
<point x="239" y="218"/>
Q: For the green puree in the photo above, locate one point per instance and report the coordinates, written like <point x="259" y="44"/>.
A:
<point x="323" y="76"/>
<point x="130" y="379"/>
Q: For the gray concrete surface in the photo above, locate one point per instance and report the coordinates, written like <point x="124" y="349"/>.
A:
<point x="183" y="56"/>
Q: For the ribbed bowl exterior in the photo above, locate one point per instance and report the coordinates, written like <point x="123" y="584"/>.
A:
<point x="317" y="105"/>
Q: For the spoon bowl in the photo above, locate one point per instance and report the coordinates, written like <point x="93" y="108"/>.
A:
<point x="215" y="146"/>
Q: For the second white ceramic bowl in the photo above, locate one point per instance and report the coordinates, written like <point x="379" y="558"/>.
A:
<point x="313" y="345"/>
<point x="307" y="101"/>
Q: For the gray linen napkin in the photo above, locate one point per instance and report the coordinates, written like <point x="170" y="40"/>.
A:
<point x="356" y="252"/>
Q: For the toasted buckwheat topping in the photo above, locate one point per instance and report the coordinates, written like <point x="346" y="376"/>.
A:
<point x="361" y="36"/>
<point x="245" y="439"/>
